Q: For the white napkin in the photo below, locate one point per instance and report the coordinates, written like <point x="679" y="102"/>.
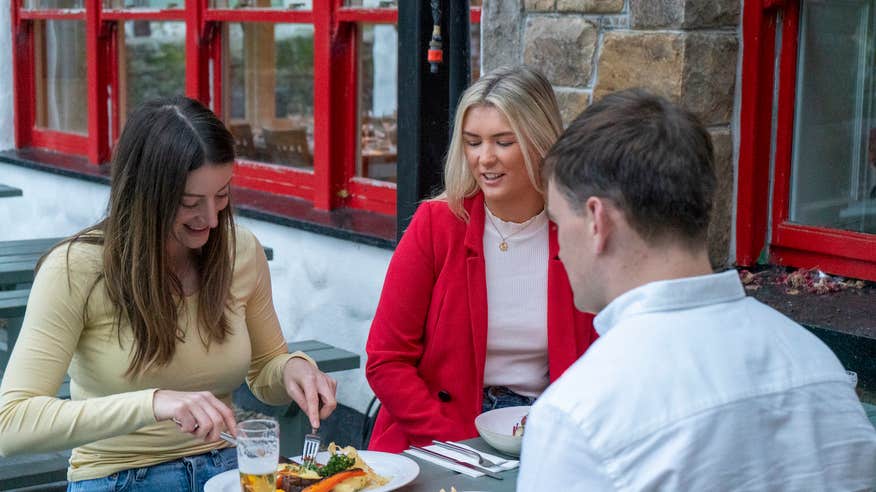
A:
<point x="508" y="465"/>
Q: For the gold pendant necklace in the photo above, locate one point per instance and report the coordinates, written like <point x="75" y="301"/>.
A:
<point x="503" y="246"/>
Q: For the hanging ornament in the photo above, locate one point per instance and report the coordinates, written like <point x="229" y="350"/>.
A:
<point x="435" y="55"/>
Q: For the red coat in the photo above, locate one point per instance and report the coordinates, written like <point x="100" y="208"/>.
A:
<point x="428" y="342"/>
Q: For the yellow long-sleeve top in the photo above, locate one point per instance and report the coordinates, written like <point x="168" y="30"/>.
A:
<point x="109" y="418"/>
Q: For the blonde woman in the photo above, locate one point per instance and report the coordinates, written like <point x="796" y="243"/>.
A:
<point x="476" y="311"/>
<point x="158" y="313"/>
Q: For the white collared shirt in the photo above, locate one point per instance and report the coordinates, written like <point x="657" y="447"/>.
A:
<point x="694" y="386"/>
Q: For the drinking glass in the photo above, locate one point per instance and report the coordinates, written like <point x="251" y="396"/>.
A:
<point x="853" y="380"/>
<point x="258" y="452"/>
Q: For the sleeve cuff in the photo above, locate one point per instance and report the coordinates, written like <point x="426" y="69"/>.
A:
<point x="301" y="355"/>
<point x="148" y="396"/>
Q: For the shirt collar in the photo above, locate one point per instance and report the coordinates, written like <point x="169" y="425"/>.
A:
<point x="668" y="295"/>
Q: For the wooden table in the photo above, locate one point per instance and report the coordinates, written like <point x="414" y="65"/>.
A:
<point x="6" y="190"/>
<point x="18" y="258"/>
<point x="433" y="478"/>
<point x="372" y="158"/>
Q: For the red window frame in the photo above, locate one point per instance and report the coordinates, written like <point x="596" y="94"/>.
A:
<point x="331" y="184"/>
<point x="834" y="251"/>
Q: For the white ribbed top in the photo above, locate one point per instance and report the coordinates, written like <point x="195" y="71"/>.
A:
<point x="517" y="304"/>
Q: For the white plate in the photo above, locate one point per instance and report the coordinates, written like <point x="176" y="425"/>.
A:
<point x="401" y="470"/>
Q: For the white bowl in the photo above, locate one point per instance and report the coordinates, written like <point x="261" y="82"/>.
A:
<point x="497" y="425"/>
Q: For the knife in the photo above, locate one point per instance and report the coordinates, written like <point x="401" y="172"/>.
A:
<point x="459" y="462"/>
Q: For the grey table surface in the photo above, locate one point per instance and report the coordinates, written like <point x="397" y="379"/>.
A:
<point x="6" y="190"/>
<point x="433" y="478"/>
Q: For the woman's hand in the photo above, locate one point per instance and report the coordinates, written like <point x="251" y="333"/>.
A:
<point x="199" y="413"/>
<point x="312" y="389"/>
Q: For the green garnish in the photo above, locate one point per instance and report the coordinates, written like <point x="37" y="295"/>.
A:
<point x="336" y="464"/>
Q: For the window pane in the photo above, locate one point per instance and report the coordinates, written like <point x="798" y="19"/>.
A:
<point x="152" y="63"/>
<point x="378" y="106"/>
<point x="268" y="83"/>
<point x="833" y="176"/>
<point x="475" y="35"/>
<point x="144" y="4"/>
<point x="53" y="4"/>
<point x="262" y="4"/>
<point x="371" y="3"/>
<point x="61" y="80"/>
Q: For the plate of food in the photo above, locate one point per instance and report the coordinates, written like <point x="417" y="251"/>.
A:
<point x="338" y="469"/>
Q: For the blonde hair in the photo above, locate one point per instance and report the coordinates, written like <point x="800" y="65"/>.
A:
<point x="526" y="99"/>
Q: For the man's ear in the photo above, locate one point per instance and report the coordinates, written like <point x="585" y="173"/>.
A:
<point x="601" y="225"/>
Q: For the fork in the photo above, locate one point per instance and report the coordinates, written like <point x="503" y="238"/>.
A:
<point x="468" y="452"/>
<point x="311" y="446"/>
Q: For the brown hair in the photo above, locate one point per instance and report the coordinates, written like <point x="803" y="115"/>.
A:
<point x="162" y="142"/>
<point x="651" y="158"/>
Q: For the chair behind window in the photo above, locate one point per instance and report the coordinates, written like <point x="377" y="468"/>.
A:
<point x="288" y="147"/>
<point x="244" y="145"/>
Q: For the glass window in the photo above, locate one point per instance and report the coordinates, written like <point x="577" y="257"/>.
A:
<point x="152" y="62"/>
<point x="262" y="4"/>
<point x="371" y="3"/>
<point x="833" y="175"/>
<point x="61" y="79"/>
<point x="144" y="4"/>
<point x="475" y="39"/>
<point x="268" y="91"/>
<point x="378" y="104"/>
<point x="52" y="4"/>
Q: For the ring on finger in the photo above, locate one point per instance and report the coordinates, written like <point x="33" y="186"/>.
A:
<point x="179" y="423"/>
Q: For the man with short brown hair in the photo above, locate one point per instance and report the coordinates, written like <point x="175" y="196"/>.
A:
<point x="691" y="385"/>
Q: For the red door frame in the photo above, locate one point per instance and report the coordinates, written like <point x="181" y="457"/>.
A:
<point x="24" y="83"/>
<point x="331" y="184"/>
<point x="834" y="251"/>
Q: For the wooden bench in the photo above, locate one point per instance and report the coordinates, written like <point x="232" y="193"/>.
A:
<point x="44" y="471"/>
<point x="6" y="191"/>
<point x="12" y="306"/>
<point x="48" y="471"/>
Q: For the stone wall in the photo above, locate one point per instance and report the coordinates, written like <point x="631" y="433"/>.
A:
<point x="685" y="50"/>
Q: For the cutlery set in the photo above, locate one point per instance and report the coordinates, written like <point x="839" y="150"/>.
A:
<point x="481" y="467"/>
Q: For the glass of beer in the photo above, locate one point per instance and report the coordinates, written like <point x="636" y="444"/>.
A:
<point x="258" y="452"/>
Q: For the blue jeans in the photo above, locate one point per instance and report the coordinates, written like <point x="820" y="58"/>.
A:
<point x="501" y="397"/>
<point x="187" y="473"/>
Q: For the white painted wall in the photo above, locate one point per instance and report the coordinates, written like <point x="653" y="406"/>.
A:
<point x="324" y="288"/>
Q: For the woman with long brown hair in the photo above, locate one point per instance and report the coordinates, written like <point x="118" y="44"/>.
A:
<point x="158" y="313"/>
